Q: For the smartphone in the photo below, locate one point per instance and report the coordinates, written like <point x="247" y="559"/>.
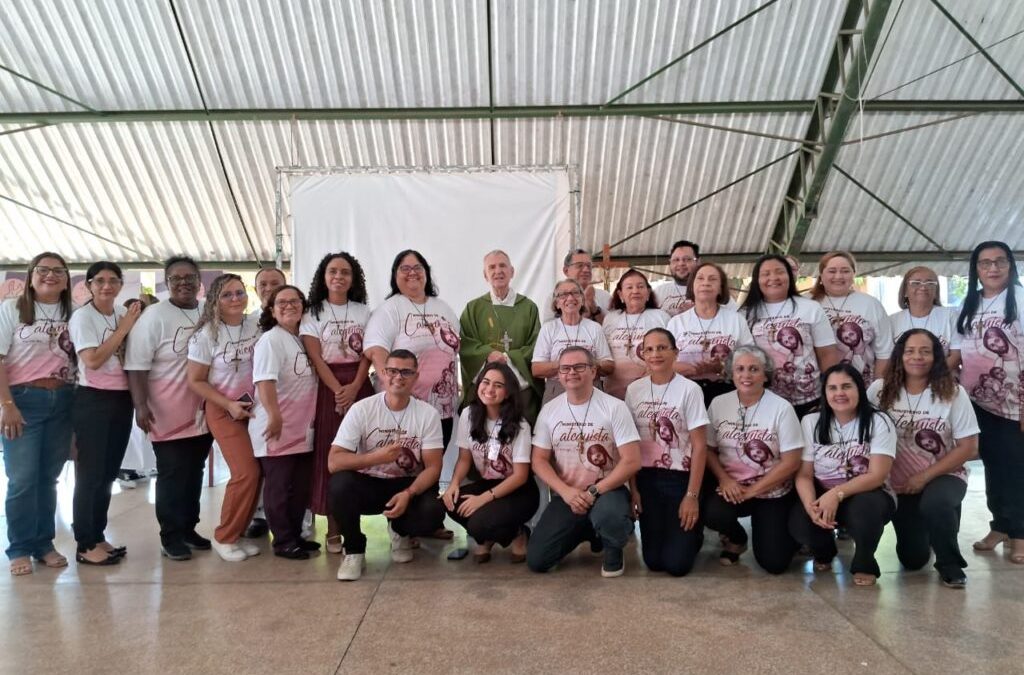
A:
<point x="245" y="398"/>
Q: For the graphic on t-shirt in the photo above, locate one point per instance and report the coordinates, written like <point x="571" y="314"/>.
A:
<point x="747" y="455"/>
<point x="837" y="463"/>
<point x="302" y="365"/>
<point x="237" y="351"/>
<point x="181" y="337"/>
<point x="348" y="336"/>
<point x="992" y="372"/>
<point x="930" y="441"/>
<point x="922" y="441"/>
<point x="437" y="383"/>
<point x="789" y="344"/>
<point x="854" y="339"/>
<point x="583" y="453"/>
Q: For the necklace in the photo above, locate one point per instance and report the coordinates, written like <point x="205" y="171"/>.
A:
<point x="984" y="310"/>
<point x="236" y="358"/>
<point x="835" y="316"/>
<point x="191" y="322"/>
<point x="399" y="429"/>
<point x="580" y="425"/>
<point x="657" y="406"/>
<point x="705" y="342"/>
<point x="51" y="328"/>
<point x="572" y="340"/>
<point x="843" y="441"/>
<point x="119" y="352"/>
<point x="423" y="315"/>
<point x="753" y="416"/>
<point x="914" y="406"/>
<point x="505" y="340"/>
<point x="772" y="319"/>
<point x="342" y="346"/>
<point x="630" y="329"/>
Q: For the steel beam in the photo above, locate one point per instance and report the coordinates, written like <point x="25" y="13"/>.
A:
<point x="977" y="45"/>
<point x="862" y="257"/>
<point x="811" y="173"/>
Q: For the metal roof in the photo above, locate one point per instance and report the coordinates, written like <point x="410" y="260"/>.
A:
<point x="147" y="189"/>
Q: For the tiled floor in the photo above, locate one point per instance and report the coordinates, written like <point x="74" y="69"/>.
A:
<point x="150" y="615"/>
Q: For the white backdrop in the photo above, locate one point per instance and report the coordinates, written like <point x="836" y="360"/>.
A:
<point x="452" y="216"/>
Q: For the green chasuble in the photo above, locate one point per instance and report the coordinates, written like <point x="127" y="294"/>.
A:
<point x="512" y="330"/>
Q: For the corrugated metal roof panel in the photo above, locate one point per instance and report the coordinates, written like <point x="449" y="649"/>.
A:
<point x="953" y="181"/>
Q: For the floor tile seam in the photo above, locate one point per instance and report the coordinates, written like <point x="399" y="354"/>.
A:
<point x="366" y="610"/>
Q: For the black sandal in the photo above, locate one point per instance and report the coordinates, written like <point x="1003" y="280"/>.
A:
<point x="109" y="560"/>
<point x="293" y="553"/>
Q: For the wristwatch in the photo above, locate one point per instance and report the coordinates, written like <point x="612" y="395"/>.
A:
<point x="592" y="489"/>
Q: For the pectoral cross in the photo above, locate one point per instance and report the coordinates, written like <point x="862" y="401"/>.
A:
<point x="771" y="333"/>
<point x="236" y="359"/>
<point x="397" y="435"/>
<point x="835" y="321"/>
<point x="705" y="343"/>
<point x="506" y="342"/>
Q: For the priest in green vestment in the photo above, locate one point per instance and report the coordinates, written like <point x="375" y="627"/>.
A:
<point x="501" y="325"/>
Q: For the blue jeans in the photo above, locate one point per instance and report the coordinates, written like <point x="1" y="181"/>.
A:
<point x="560" y="530"/>
<point x="33" y="462"/>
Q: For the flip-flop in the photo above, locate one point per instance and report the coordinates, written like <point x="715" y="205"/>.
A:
<point x="21" y="566"/>
<point x="985" y="544"/>
<point x="53" y="559"/>
<point x="864" y="580"/>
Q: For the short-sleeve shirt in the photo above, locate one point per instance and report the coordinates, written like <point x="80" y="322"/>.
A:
<point x="991" y="351"/>
<point x="749" y="449"/>
<point x="709" y="341"/>
<point x="229" y="356"/>
<point x="159" y="343"/>
<point x="940" y="322"/>
<point x="370" y="424"/>
<point x="90" y="329"/>
<point x="584" y="442"/>
<point x="341" y="330"/>
<point x="664" y="415"/>
<point x="555" y="336"/>
<point x="862" y="329"/>
<point x="845" y="457"/>
<point x="625" y="336"/>
<point x="431" y="332"/>
<point x="602" y="298"/>
<point x="280" y="358"/>
<point x="788" y="332"/>
<point x="492" y="458"/>
<point x="38" y="351"/>
<point x="671" y="298"/>
<point x="926" y="430"/>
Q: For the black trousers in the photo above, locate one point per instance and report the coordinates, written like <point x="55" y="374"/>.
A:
<point x="713" y="388"/>
<point x="560" y="530"/>
<point x="287" y="482"/>
<point x="354" y="494"/>
<point x="1001" y="446"/>
<point x="102" y="421"/>
<point x="502" y="520"/>
<point x="864" y="516"/>
<point x="666" y="546"/>
<point x="805" y="409"/>
<point x="179" y="484"/>
<point x="930" y="521"/>
<point x="773" y="545"/>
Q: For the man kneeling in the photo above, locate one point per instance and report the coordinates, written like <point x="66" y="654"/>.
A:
<point x="585" y="447"/>
<point x="386" y="458"/>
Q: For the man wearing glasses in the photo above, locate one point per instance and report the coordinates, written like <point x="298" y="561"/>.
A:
<point x="579" y="266"/>
<point x="386" y="459"/>
<point x="585" y="448"/>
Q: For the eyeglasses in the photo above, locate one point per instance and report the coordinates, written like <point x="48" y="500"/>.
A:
<point x="657" y="349"/>
<point x="55" y="271"/>
<point x="574" y="368"/>
<point x="233" y="295"/>
<point x="582" y="265"/>
<point x="411" y="269"/>
<point x="567" y="294"/>
<point x="288" y="303"/>
<point x="183" y="279"/>
<point x="399" y="372"/>
<point x="106" y="282"/>
<point x="915" y="283"/>
<point x="998" y="264"/>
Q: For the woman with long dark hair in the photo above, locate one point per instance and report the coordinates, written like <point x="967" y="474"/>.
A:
<point x="792" y="329"/>
<point x="669" y="413"/>
<point x="634" y="311"/>
<point x="991" y="340"/>
<point x="863" y="332"/>
<point x="494" y="437"/>
<point x="414" y="318"/>
<point x="102" y="409"/>
<point x="37" y="368"/>
<point x="220" y="371"/>
<point x="333" y="334"/>
<point x="842" y="482"/>
<point x="708" y="331"/>
<point x="937" y="434"/>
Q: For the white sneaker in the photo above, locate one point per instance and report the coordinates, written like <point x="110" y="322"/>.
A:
<point x="401" y="547"/>
<point x="307" y="525"/>
<point x="351" y="567"/>
<point x="249" y="547"/>
<point x="229" y="552"/>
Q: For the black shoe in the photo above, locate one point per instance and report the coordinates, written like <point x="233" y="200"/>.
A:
<point x="196" y="541"/>
<point x="129" y="474"/>
<point x="257" y="528"/>
<point x="614" y="563"/>
<point x="307" y="545"/>
<point x="176" y="550"/>
<point x="293" y="553"/>
<point x="954" y="579"/>
<point x="596" y="546"/>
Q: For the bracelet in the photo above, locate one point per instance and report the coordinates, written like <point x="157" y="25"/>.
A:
<point x="9" y="401"/>
<point x="692" y="495"/>
<point x="494" y="497"/>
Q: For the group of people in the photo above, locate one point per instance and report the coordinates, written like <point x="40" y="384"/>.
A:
<point x="667" y="405"/>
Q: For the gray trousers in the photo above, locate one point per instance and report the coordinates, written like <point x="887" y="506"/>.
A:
<point x="560" y="530"/>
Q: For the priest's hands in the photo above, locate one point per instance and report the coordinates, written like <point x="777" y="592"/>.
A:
<point x="496" y="356"/>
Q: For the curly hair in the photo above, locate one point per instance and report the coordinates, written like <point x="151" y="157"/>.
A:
<point x="211" y="309"/>
<point x="318" y="287"/>
<point x="267" y="320"/>
<point x="940" y="379"/>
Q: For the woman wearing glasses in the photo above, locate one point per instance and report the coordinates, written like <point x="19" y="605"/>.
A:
<point x="414" y="318"/>
<point x="708" y="332"/>
<point x="168" y="410"/>
<point x="102" y="413"/>
<point x="220" y="371"/>
<point x="36" y="371"/>
<point x="919" y="298"/>
<point x="568" y="328"/>
<point x="634" y="311"/>
<point x="669" y="413"/>
<point x="281" y="429"/>
<point x="754" y="440"/>
<point x="991" y="340"/>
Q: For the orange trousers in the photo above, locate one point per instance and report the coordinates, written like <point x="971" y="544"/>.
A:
<point x="242" y="491"/>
